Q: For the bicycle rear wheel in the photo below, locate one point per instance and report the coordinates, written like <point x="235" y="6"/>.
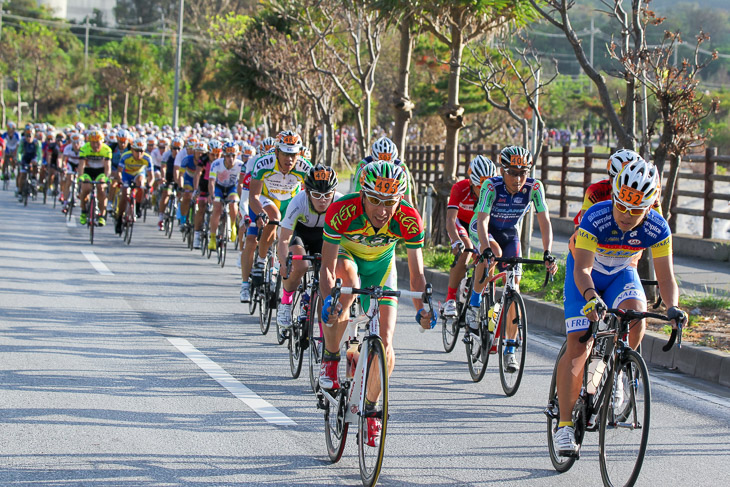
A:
<point x="335" y="427"/>
<point x="624" y="426"/>
<point x="264" y="311"/>
<point x="297" y="333"/>
<point x="561" y="464"/>
<point x="511" y="377"/>
<point x="477" y="348"/>
<point x="370" y="448"/>
<point x="316" y="341"/>
<point x="450" y="330"/>
<point x="92" y="219"/>
<point x="252" y="301"/>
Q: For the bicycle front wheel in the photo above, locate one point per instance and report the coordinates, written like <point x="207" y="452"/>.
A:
<point x="514" y="329"/>
<point x="316" y="341"/>
<point x="373" y="423"/>
<point x="449" y="332"/>
<point x="92" y="219"/>
<point x="624" y="426"/>
<point x="297" y="335"/>
<point x="560" y="463"/>
<point x="264" y="311"/>
<point x="479" y="344"/>
<point x="335" y="427"/>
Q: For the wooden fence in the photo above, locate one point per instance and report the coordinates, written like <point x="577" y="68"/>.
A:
<point x="567" y="174"/>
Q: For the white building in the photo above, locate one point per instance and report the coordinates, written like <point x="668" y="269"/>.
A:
<point x="79" y="9"/>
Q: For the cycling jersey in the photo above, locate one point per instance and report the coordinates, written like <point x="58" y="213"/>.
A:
<point x="72" y="156"/>
<point x="505" y="209"/>
<point x="601" y="191"/>
<point x="168" y="166"/>
<point x="11" y="141"/>
<point x="463" y="200"/>
<point x="300" y="213"/>
<point x="614" y="250"/>
<point x="370" y="159"/>
<point x="95" y="160"/>
<point x="278" y="187"/>
<point x="134" y="167"/>
<point x="224" y="176"/>
<point x="347" y="225"/>
<point x="29" y="151"/>
<point x="190" y="167"/>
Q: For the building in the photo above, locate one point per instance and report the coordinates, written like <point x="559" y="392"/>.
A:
<point x="79" y="9"/>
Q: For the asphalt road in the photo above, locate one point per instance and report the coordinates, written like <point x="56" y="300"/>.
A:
<point x="102" y="383"/>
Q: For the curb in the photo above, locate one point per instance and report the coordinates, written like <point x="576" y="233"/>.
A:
<point x="694" y="360"/>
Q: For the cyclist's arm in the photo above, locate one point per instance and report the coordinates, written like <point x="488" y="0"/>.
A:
<point x="329" y="263"/>
<point x="254" y="189"/>
<point x="451" y="224"/>
<point x="107" y="167"/>
<point x="283" y="247"/>
<point x="664" y="268"/>
<point x="211" y="185"/>
<point x="415" y="271"/>
<point x="38" y="153"/>
<point x="196" y="179"/>
<point x="483" y="209"/>
<point x="483" y="231"/>
<point x="546" y="230"/>
<point x="81" y="166"/>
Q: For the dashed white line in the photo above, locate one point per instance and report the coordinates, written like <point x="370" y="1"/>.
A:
<point x="250" y="398"/>
<point x="98" y="264"/>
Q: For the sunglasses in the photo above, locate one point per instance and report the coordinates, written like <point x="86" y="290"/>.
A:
<point x="318" y="196"/>
<point x="627" y="209"/>
<point x="516" y="174"/>
<point x="377" y="201"/>
<point x="137" y="150"/>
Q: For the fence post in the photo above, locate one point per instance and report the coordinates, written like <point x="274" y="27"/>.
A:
<point x="589" y="165"/>
<point x="563" y="177"/>
<point x="544" y="164"/>
<point x="710" y="154"/>
<point x="495" y="155"/>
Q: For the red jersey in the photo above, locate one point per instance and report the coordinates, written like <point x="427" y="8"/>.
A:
<point x="463" y="199"/>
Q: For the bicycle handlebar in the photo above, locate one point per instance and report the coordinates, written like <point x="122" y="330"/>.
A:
<point x="378" y="292"/>
<point x="631" y="315"/>
<point x="310" y="258"/>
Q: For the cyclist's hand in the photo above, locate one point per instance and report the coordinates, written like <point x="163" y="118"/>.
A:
<point x="595" y="309"/>
<point x="677" y="316"/>
<point x="328" y="317"/>
<point x="426" y="320"/>
<point x="550" y="263"/>
<point x="457" y="247"/>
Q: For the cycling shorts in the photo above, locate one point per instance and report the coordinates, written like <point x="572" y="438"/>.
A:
<point x="282" y="205"/>
<point x="72" y="167"/>
<point x="24" y="166"/>
<point x="188" y="183"/>
<point x="509" y="241"/>
<point x="380" y="272"/>
<point x="253" y="229"/>
<point x="461" y="228"/>
<point x="126" y="178"/>
<point x="614" y="289"/>
<point x="226" y="193"/>
<point x="308" y="237"/>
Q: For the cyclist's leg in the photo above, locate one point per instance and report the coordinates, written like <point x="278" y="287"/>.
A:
<point x="346" y="269"/>
<point x="268" y="234"/>
<point x="626" y="292"/>
<point x="85" y="190"/>
<point x="298" y="269"/>
<point x="216" y="215"/>
<point x="140" y="180"/>
<point x="249" y="247"/>
<point x="101" y="195"/>
<point x="457" y="272"/>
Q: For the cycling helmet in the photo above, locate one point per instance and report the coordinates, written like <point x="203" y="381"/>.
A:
<point x="111" y="137"/>
<point x="11" y="125"/>
<point x="267" y="144"/>
<point x="321" y="178"/>
<point x="151" y="140"/>
<point x="77" y="138"/>
<point x="80" y="126"/>
<point x="383" y="178"/>
<point x="637" y="184"/>
<point x="248" y="150"/>
<point x="619" y="159"/>
<point x="515" y="156"/>
<point x="384" y="149"/>
<point x="481" y="169"/>
<point x="289" y="142"/>
<point x="139" y="144"/>
<point x="192" y="140"/>
<point x="95" y="136"/>
<point x="216" y="148"/>
<point x="124" y="136"/>
<point x="230" y="148"/>
<point x="201" y="146"/>
<point x="177" y="143"/>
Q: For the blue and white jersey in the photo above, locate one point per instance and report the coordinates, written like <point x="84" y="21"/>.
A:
<point x="506" y="210"/>
<point x="11" y="141"/>
<point x="225" y="176"/>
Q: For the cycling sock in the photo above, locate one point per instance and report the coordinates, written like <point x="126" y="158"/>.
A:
<point x="370" y="405"/>
<point x="565" y="423"/>
<point x="476" y="299"/>
<point x="450" y="294"/>
<point x="328" y="356"/>
<point x="286" y="296"/>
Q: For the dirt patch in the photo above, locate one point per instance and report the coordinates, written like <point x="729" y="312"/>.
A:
<point x="711" y="328"/>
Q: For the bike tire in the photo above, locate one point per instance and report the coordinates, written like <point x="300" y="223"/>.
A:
<point x="511" y="380"/>
<point x="273" y="304"/>
<point x="45" y="194"/>
<point x="316" y="341"/>
<point x="450" y="332"/>
<point x="223" y="251"/>
<point x="264" y="322"/>
<point x="252" y="302"/>
<point x="624" y="427"/>
<point x="477" y="349"/>
<point x="92" y="218"/>
<point x="376" y="376"/>
<point x="335" y="427"/>
<point x="26" y="191"/>
<point x="560" y="463"/>
<point x="297" y="333"/>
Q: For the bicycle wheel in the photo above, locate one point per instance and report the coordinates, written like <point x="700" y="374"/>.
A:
<point x="624" y="425"/>
<point x="561" y="464"/>
<point x="450" y="330"/>
<point x="45" y="193"/>
<point x="26" y="192"/>
<point x="92" y="219"/>
<point x="297" y="335"/>
<point x="264" y="313"/>
<point x="370" y="450"/>
<point x="316" y="341"/>
<point x="252" y="301"/>
<point x="335" y="427"/>
<point x="511" y="377"/>
<point x="128" y="227"/>
<point x="479" y="344"/>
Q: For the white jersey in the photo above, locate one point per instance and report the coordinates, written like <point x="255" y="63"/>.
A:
<point x="301" y="211"/>
<point x="224" y="176"/>
<point x="156" y="157"/>
<point x="182" y="154"/>
<point x="73" y="156"/>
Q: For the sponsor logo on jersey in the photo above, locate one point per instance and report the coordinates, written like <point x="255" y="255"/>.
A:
<point x="409" y="222"/>
<point x="614" y="232"/>
<point x="634" y="233"/>
<point x="630" y="285"/>
<point x="634" y="241"/>
<point x="345" y="213"/>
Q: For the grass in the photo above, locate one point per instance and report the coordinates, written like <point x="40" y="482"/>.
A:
<point x="709" y="302"/>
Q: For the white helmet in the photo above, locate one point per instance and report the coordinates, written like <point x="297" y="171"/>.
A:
<point x="637" y="185"/>
<point x="384" y="149"/>
<point x="481" y="168"/>
<point x="619" y="159"/>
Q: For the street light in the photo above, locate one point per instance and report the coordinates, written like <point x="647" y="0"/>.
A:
<point x="178" y="57"/>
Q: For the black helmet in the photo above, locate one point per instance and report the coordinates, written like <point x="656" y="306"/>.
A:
<point x="322" y="179"/>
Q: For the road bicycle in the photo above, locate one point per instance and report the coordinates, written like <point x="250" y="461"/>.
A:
<point x="170" y="211"/>
<point x="92" y="217"/>
<point x="615" y="399"/>
<point x="306" y="330"/>
<point x="71" y="203"/>
<point x="366" y="376"/>
<point x="130" y="212"/>
<point x="223" y="235"/>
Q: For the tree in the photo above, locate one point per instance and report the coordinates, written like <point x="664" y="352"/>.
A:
<point x="109" y="75"/>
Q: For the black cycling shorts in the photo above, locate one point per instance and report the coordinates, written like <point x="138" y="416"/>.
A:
<point x="308" y="237"/>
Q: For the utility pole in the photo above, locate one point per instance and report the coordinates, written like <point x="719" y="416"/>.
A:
<point x="178" y="58"/>
<point x="593" y="33"/>
<point x="162" y="22"/>
<point x="86" y="46"/>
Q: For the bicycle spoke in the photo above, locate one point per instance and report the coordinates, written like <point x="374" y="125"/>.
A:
<point x="513" y="339"/>
<point x="371" y="446"/>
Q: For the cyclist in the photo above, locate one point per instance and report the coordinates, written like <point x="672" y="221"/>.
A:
<point x="192" y="167"/>
<point x="168" y="174"/>
<point x="360" y="234"/>
<point x="71" y="163"/>
<point x="301" y="231"/>
<point x="503" y="202"/>
<point x="53" y="150"/>
<point x="276" y="178"/>
<point x="124" y="138"/>
<point x="224" y="180"/>
<point x="12" y="141"/>
<point x="30" y="153"/>
<point x="598" y="271"/>
<point x="459" y="213"/>
<point x="248" y="156"/>
<point x="384" y="149"/>
<point x="94" y="165"/>
<point x="136" y="166"/>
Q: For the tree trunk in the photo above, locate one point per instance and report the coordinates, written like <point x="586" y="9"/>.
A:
<point x="36" y="81"/>
<point x="402" y="103"/>
<point x="126" y="108"/>
<point x="20" y="108"/>
<point x="452" y="113"/>
<point x="109" y="107"/>
<point x="140" y="102"/>
<point x="241" y="106"/>
<point x="313" y="141"/>
<point x="2" y="99"/>
<point x="668" y="188"/>
<point x="226" y="105"/>
<point x="328" y="138"/>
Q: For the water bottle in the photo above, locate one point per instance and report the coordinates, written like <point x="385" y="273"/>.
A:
<point x="304" y="305"/>
<point x="353" y="354"/>
<point x="463" y="292"/>
<point x="493" y="316"/>
<point x="595" y="372"/>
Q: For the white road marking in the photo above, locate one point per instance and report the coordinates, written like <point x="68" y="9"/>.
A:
<point x="98" y="264"/>
<point x="654" y="378"/>
<point x="250" y="398"/>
